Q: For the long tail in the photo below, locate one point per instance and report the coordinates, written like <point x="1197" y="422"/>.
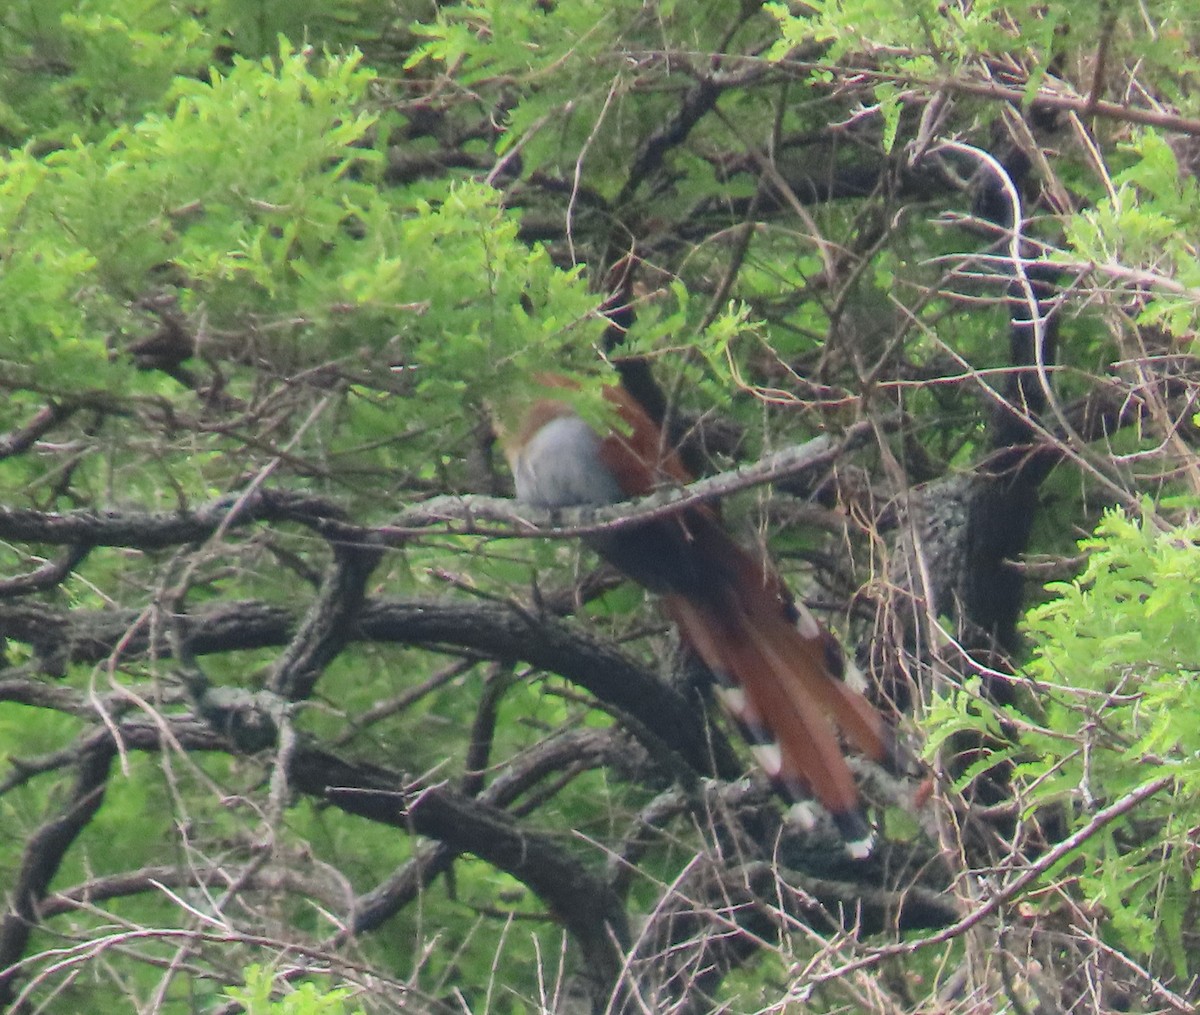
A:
<point x="779" y="691"/>
<point x="780" y="668"/>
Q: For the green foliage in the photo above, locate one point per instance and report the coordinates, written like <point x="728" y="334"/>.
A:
<point x="1142" y="228"/>
<point x="476" y="293"/>
<point x="306" y="999"/>
<point x="1115" y="667"/>
<point x="491" y="40"/>
<point x="86" y="225"/>
<point x="70" y="68"/>
<point x="255" y="26"/>
<point x="121" y="59"/>
<point x="296" y="243"/>
<point x="913" y="40"/>
<point x="364" y="234"/>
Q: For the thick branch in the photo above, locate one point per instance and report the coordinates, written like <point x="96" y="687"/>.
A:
<point x="583" y="902"/>
<point x="813" y="456"/>
<point x="50" y="574"/>
<point x="578" y="748"/>
<point x="697" y="102"/>
<point x="499" y="632"/>
<point x="327" y="625"/>
<point x="17" y="442"/>
<point x="44" y="853"/>
<point x="159" y="530"/>
<point x="459" y="515"/>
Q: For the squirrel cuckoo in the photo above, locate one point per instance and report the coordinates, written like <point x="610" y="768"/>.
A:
<point x="780" y="671"/>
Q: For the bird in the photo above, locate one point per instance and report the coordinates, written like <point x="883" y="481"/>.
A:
<point x="780" y="674"/>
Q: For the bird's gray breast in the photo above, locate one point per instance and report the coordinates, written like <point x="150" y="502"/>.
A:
<point x="560" y="466"/>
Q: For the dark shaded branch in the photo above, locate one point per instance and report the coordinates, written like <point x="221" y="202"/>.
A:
<point x="25" y="769"/>
<point x="161" y="530"/>
<point x="579" y="748"/>
<point x="458" y="515"/>
<point x="558" y="647"/>
<point x="400" y="889"/>
<point x="22" y="688"/>
<point x="145" y="531"/>
<point x="50" y="574"/>
<point x="498" y="632"/>
<point x="698" y="100"/>
<point x="16" y="442"/>
<point x="581" y="901"/>
<point x="44" y="853"/>
<point x="327" y="626"/>
<point x="964" y="533"/>
<point x="483" y="728"/>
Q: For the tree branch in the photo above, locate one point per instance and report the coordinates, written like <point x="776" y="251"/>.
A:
<point x="50" y="574"/>
<point x="327" y="626"/>
<point x="44" y="853"/>
<point x="584" y="903"/>
<point x="457" y="515"/>
<point x="17" y="442"/>
<point x="497" y="631"/>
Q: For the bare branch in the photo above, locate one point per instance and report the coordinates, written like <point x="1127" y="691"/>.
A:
<point x="17" y="442"/>
<point x="44" y="853"/>
<point x="499" y="632"/>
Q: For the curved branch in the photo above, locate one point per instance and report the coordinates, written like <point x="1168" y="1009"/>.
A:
<point x="44" y="853"/>
<point x="158" y="530"/>
<point x="584" y="903"/>
<point x="497" y="631"/>
<point x="460" y="515"/>
<point x="698" y="100"/>
<point x="50" y="574"/>
<point x="581" y="748"/>
<point x="327" y="626"/>
<point x="17" y="442"/>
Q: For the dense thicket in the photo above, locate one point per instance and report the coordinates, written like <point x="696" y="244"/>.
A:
<point x="302" y="714"/>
